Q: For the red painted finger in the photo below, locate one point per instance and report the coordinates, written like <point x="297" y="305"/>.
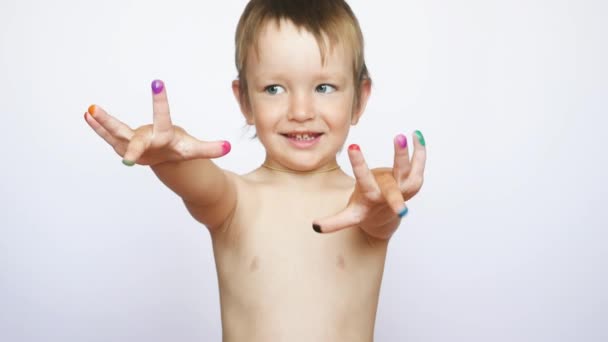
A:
<point x="162" y="117"/>
<point x="364" y="177"/>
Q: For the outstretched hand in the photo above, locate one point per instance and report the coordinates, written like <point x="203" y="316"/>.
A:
<point x="156" y="143"/>
<point x="377" y="203"/>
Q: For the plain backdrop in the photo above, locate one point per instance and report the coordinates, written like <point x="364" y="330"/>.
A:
<point x="505" y="242"/>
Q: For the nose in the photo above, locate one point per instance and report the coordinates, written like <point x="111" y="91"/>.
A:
<point x="301" y="107"/>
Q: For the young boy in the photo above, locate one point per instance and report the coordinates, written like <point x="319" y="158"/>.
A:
<point x="302" y="83"/>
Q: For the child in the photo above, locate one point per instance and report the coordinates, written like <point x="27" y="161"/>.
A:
<point x="302" y="82"/>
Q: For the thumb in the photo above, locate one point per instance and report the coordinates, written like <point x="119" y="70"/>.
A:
<point x="192" y="148"/>
<point x="348" y="218"/>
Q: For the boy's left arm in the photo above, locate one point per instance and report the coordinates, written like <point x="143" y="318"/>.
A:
<point x="378" y="200"/>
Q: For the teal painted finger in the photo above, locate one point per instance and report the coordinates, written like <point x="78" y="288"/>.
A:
<point x="420" y="138"/>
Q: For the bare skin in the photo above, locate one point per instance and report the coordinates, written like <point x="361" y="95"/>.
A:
<point x="279" y="279"/>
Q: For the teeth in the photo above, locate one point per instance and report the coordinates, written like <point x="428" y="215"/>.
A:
<point x="300" y="137"/>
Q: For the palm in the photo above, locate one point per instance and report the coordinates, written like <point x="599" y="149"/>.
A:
<point x="155" y="143"/>
<point x="377" y="202"/>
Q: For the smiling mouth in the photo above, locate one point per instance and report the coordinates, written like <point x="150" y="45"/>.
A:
<point x="302" y="136"/>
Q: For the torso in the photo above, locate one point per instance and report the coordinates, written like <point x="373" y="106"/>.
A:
<point x="279" y="280"/>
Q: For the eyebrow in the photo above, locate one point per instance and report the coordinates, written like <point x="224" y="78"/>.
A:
<point x="339" y="76"/>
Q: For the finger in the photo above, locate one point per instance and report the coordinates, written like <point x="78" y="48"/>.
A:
<point x="192" y="148"/>
<point x="365" y="179"/>
<point x="102" y="132"/>
<point x="160" y="104"/>
<point x="136" y="148"/>
<point x="392" y="194"/>
<point x="413" y="183"/>
<point x="112" y="125"/>
<point x="401" y="164"/>
<point x="347" y="218"/>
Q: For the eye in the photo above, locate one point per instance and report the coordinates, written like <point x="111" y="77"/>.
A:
<point x="325" y="89"/>
<point x="274" y="89"/>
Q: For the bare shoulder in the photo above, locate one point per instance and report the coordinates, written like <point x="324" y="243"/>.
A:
<point x="216" y="214"/>
<point x="246" y="189"/>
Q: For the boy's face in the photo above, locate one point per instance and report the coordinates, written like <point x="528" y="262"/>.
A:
<point x="302" y="109"/>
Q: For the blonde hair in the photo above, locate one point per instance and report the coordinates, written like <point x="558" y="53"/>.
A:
<point x="329" y="21"/>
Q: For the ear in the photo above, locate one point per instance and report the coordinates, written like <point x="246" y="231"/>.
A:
<point x="243" y="101"/>
<point x="365" y="92"/>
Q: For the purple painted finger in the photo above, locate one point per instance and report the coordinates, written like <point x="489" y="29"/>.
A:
<point x="160" y="104"/>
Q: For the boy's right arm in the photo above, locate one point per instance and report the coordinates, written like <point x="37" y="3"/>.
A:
<point x="179" y="160"/>
<point x="208" y="192"/>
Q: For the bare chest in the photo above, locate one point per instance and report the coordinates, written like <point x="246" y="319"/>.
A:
<point x="276" y="251"/>
<point x="276" y="272"/>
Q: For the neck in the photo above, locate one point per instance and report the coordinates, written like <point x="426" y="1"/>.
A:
<point x="326" y="174"/>
<point x="298" y="172"/>
<point x="326" y="167"/>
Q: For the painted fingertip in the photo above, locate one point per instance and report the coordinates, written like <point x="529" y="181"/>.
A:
<point x="354" y="147"/>
<point x="420" y="138"/>
<point x="157" y="86"/>
<point x="316" y="228"/>
<point x="226" y="148"/>
<point x="403" y="212"/>
<point x="91" y="109"/>
<point x="401" y="140"/>
<point x="128" y="162"/>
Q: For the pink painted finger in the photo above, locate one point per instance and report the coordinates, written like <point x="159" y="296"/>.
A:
<point x="347" y="218"/>
<point x="364" y="177"/>
<point x="401" y="164"/>
<point x="160" y="104"/>
<point x="192" y="148"/>
<point x="115" y="127"/>
<point x="102" y="132"/>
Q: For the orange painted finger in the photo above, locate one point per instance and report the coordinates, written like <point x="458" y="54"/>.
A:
<point x="102" y="132"/>
<point x="115" y="127"/>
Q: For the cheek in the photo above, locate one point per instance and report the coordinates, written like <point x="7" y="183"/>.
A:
<point x="340" y="112"/>
<point x="266" y="114"/>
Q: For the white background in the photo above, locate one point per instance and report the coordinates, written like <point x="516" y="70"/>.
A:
<point x="505" y="242"/>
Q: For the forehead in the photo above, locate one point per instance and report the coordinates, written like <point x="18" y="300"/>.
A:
<point x="281" y="46"/>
